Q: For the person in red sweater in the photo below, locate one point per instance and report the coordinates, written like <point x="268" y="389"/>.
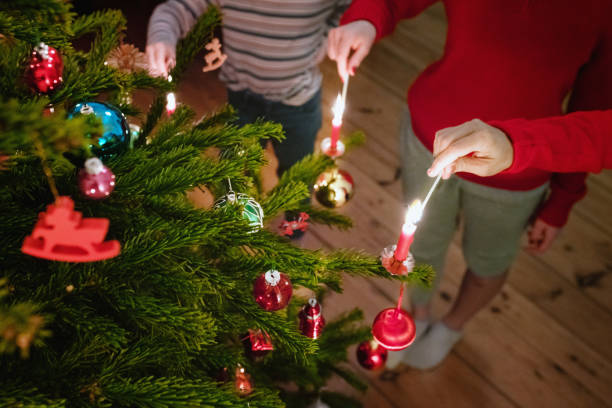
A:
<point x="503" y="62"/>
<point x="579" y="141"/>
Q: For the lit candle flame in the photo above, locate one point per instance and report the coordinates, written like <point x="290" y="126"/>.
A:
<point x="338" y="111"/>
<point x="413" y="214"/>
<point x="170" y="103"/>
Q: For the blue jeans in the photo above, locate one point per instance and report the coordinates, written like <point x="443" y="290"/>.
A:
<point x="300" y="123"/>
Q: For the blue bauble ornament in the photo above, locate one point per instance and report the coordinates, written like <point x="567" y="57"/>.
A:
<point x="116" y="136"/>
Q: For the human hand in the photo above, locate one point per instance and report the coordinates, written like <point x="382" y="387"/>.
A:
<point x="357" y="36"/>
<point x="541" y="236"/>
<point x="472" y="147"/>
<point x="162" y="58"/>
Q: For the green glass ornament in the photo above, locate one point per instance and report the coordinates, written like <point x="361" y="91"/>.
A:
<point x="251" y="209"/>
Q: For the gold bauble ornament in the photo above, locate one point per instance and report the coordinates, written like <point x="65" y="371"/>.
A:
<point x="334" y="188"/>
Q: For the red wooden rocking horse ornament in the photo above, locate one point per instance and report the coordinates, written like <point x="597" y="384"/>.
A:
<point x="61" y="234"/>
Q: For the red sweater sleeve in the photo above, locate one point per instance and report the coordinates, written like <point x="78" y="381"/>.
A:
<point x="579" y="141"/>
<point x="384" y="14"/>
<point x="592" y="90"/>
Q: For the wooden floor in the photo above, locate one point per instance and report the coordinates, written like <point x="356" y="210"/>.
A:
<point x="546" y="340"/>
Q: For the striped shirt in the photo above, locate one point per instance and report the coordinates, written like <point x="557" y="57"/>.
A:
<point x="273" y="47"/>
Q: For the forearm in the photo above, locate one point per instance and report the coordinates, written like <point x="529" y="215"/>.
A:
<point x="580" y="141"/>
<point x="566" y="189"/>
<point x="384" y="14"/>
<point x="173" y="19"/>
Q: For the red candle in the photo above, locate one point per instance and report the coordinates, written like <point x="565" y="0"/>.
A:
<point x="413" y="215"/>
<point x="405" y="240"/>
<point x="335" y="135"/>
<point x="338" y="111"/>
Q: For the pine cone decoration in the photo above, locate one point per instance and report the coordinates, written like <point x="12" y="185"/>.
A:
<point x="127" y="58"/>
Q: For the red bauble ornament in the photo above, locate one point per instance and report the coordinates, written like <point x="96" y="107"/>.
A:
<point x="272" y="290"/>
<point x="61" y="234"/>
<point x="258" y="343"/>
<point x="44" y="72"/>
<point x="312" y="321"/>
<point x="242" y="382"/>
<point x="371" y="355"/>
<point x="394" y="329"/>
<point x="95" y="179"/>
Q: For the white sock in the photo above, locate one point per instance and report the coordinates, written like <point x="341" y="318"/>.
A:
<point x="396" y="357"/>
<point x="433" y="347"/>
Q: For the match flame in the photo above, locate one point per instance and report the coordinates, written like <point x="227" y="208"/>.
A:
<point x="170" y="103"/>
<point x="414" y="213"/>
<point x="338" y="111"/>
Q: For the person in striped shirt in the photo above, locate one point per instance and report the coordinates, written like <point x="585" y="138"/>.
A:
<point x="273" y="49"/>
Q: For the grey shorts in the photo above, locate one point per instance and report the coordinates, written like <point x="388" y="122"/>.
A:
<point x="494" y="219"/>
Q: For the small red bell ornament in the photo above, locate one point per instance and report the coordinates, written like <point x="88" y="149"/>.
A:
<point x="371" y="355"/>
<point x="394" y="329"/>
<point x="272" y="290"/>
<point x="96" y="181"/>
<point x="242" y="382"/>
<point x="44" y="72"/>
<point x="257" y="343"/>
<point x="312" y="321"/>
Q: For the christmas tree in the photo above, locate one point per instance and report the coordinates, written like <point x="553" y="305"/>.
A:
<point x="164" y="322"/>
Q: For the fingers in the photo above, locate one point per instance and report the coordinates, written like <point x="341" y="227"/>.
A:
<point x="448" y="171"/>
<point x="487" y="148"/>
<point x="541" y="236"/>
<point x="151" y="59"/>
<point x="360" y="53"/>
<point x="461" y="147"/>
<point x="332" y="43"/>
<point x="342" y="52"/>
<point x="535" y="237"/>
<point x="546" y="243"/>
<point x="445" y="137"/>
<point x="356" y="37"/>
<point x="338" y="50"/>
<point x="161" y="59"/>
<point x="481" y="166"/>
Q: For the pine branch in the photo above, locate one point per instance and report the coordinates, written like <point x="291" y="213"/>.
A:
<point x="20" y="325"/>
<point x="195" y="41"/>
<point x="15" y="24"/>
<point x="156" y="111"/>
<point x="221" y="137"/>
<point x="307" y="170"/>
<point x="350" y="377"/>
<point x="111" y="25"/>
<point x="27" y="396"/>
<point x="180" y="392"/>
<point x="51" y="8"/>
<point x="286" y="197"/>
<point x="90" y="326"/>
<point x="319" y="215"/>
<point x="357" y="263"/>
<point x="189" y="326"/>
<point x="355" y="139"/>
<point x="224" y="116"/>
<point x="57" y="135"/>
